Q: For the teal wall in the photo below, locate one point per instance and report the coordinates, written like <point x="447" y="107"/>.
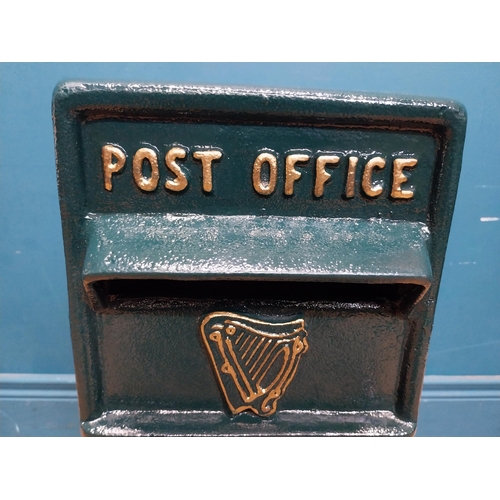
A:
<point x="34" y="326"/>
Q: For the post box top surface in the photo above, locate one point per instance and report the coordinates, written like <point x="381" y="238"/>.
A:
<point x="151" y="99"/>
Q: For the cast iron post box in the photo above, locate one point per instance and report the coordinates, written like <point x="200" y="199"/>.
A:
<point x="252" y="262"/>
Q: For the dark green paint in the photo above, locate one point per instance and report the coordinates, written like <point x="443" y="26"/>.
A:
<point x="155" y="263"/>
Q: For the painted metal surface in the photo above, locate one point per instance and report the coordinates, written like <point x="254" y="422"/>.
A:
<point x="359" y="257"/>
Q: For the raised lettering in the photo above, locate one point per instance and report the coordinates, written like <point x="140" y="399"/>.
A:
<point x="206" y="158"/>
<point x="291" y="175"/>
<point x="321" y="174"/>
<point x="351" y="177"/>
<point x="258" y="184"/>
<point x="109" y="168"/>
<point x="180" y="182"/>
<point x="144" y="183"/>
<point x="398" y="177"/>
<point x="264" y="181"/>
<point x="367" y="184"/>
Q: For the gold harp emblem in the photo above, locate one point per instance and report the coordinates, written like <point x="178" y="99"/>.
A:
<point x="254" y="360"/>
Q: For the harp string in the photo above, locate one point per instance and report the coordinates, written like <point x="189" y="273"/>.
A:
<point x="248" y="348"/>
<point x="263" y="364"/>
<point x="247" y="338"/>
<point x="260" y="356"/>
<point x="254" y="351"/>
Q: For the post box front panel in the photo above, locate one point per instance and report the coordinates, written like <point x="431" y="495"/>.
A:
<point x="250" y="262"/>
<point x="350" y="364"/>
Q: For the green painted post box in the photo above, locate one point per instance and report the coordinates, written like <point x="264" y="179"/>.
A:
<point x="252" y="262"/>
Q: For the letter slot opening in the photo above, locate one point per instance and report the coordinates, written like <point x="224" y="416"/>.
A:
<point x="146" y="294"/>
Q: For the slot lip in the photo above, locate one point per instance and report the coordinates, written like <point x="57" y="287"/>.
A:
<point x="255" y="248"/>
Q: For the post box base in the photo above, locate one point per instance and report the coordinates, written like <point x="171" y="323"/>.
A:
<point x="215" y="423"/>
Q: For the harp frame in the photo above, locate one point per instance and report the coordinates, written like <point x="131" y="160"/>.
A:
<point x="264" y="348"/>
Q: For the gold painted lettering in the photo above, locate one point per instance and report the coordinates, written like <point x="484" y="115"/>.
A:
<point x="143" y="182"/>
<point x="109" y="168"/>
<point x="321" y="174"/>
<point x="351" y="177"/>
<point x="367" y="184"/>
<point x="206" y="158"/>
<point x="180" y="182"/>
<point x="291" y="175"/>
<point x="398" y="178"/>
<point x="260" y="186"/>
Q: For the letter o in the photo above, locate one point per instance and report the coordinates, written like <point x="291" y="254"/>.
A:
<point x="258" y="184"/>
<point x="143" y="182"/>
